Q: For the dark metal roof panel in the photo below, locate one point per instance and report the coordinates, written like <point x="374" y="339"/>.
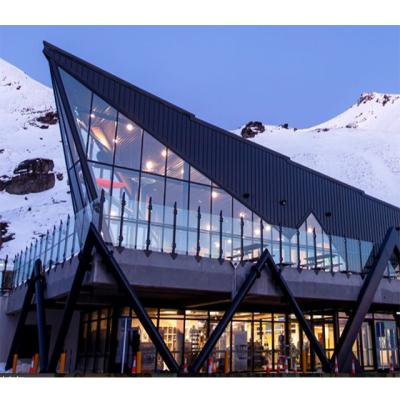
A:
<point x="240" y="166"/>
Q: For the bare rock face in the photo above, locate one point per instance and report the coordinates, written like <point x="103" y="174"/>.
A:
<point x="30" y="183"/>
<point x="30" y="176"/>
<point x="252" y="128"/>
<point x="35" y="166"/>
<point x="50" y="118"/>
<point x="4" y="235"/>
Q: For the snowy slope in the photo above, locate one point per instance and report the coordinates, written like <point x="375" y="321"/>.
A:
<point x="361" y="146"/>
<point x="22" y="100"/>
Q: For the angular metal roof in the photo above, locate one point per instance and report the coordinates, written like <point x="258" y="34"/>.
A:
<point x="269" y="183"/>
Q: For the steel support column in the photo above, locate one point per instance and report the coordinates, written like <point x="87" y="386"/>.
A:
<point x="134" y="302"/>
<point x="343" y="350"/>
<point x="316" y="346"/>
<point x="40" y="315"/>
<point x="237" y="300"/>
<point x="83" y="265"/>
<point x="21" y="322"/>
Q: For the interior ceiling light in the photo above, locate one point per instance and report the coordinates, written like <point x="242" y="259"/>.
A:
<point x="101" y="137"/>
<point x="310" y="230"/>
<point x="214" y="195"/>
<point x="149" y="165"/>
<point x="164" y="153"/>
<point x="129" y="127"/>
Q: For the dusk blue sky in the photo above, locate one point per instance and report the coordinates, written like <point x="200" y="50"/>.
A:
<point x="229" y="75"/>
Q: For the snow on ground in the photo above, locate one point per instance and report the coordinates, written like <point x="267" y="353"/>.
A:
<point x="21" y="101"/>
<point x="360" y="147"/>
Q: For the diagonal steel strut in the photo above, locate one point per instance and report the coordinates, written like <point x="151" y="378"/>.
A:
<point x="343" y="350"/>
<point x="237" y="300"/>
<point x="83" y="266"/>
<point x="315" y="344"/>
<point x="134" y="301"/>
<point x="30" y="290"/>
<point x="265" y="259"/>
<point x="94" y="240"/>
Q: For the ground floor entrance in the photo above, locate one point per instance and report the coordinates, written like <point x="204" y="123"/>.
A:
<point x="252" y="342"/>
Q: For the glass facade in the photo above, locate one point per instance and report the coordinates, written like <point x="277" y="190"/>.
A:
<point x="171" y="206"/>
<point x="251" y="341"/>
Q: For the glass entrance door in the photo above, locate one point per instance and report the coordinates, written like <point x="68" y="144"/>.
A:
<point x="386" y="343"/>
<point x="324" y="332"/>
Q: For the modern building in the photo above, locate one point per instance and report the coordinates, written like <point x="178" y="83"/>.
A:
<point x="194" y="248"/>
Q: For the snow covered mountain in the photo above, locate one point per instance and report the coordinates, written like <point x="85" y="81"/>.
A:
<point x="29" y="131"/>
<point x="360" y="147"/>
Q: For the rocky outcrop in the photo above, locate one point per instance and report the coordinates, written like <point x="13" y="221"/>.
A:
<point x="4" y="235"/>
<point x="34" y="166"/>
<point x="30" y="183"/>
<point x="50" y="118"/>
<point x="252" y="128"/>
<point x="30" y="176"/>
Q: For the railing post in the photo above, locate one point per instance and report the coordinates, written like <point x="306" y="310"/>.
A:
<point x="101" y="210"/>
<point x="315" y="248"/>
<point x="41" y="247"/>
<point x="331" y="254"/>
<point x="261" y="236"/>
<point x="198" y="248"/>
<point x="59" y="242"/>
<point x="17" y="272"/>
<point x="298" y="251"/>
<point x="46" y="243"/>
<point x="3" y="279"/>
<point x="79" y="229"/>
<point x="35" y="252"/>
<point x="148" y="241"/>
<point x="66" y="238"/>
<point x="241" y="239"/>
<point x="346" y="256"/>
<point x="121" y="221"/>
<point x="14" y="275"/>
<point x="360" y="253"/>
<point x="175" y="213"/>
<point x="75" y="234"/>
<point x="53" y="241"/>
<point x="26" y="272"/>
<point x="280" y="246"/>
<point x="30" y="257"/>
<point x="221" y="221"/>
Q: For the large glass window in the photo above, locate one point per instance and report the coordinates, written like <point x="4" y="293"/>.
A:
<point x="154" y="155"/>
<point x="125" y="159"/>
<point x="151" y="186"/>
<point x="125" y="181"/>
<point x="353" y="255"/>
<point x="128" y="143"/>
<point x="171" y="330"/>
<point x="102" y="131"/>
<point x="176" y="167"/>
<point x="79" y="98"/>
<point x="221" y="203"/>
<point x="200" y="196"/>
<point x="386" y="343"/>
<point x="242" y="342"/>
<point x="196" y="334"/>
<point x="196" y="176"/>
